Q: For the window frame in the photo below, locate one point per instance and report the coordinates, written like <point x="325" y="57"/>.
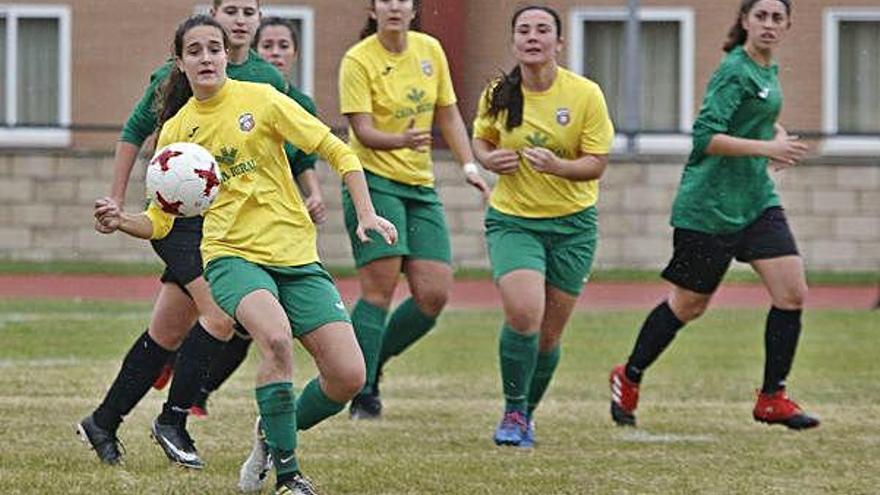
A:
<point x="306" y="17"/>
<point x="836" y="143"/>
<point x="29" y="136"/>
<point x="657" y="143"/>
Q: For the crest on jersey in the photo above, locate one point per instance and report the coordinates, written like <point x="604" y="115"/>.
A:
<point x="563" y="116"/>
<point x="427" y="68"/>
<point x="246" y="122"/>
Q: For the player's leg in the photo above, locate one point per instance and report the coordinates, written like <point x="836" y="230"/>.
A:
<point x="379" y="268"/>
<point x="699" y="262"/>
<point x="770" y="248"/>
<point x="206" y="341"/>
<point x="428" y="272"/>
<point x="173" y="315"/>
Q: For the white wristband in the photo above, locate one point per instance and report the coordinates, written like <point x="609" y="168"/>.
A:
<point x="470" y="168"/>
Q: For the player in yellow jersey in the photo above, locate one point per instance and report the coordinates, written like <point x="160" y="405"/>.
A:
<point x="394" y="85"/>
<point x="259" y="244"/>
<point x="547" y="133"/>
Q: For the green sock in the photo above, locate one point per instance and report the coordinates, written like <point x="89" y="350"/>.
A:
<point x="544" y="369"/>
<point x="406" y="325"/>
<point x="369" y="324"/>
<point x="313" y="406"/>
<point x="278" y="412"/>
<point x="518" y="354"/>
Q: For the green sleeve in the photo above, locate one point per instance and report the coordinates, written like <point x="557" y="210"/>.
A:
<point x="299" y="161"/>
<point x="142" y="121"/>
<point x="723" y="97"/>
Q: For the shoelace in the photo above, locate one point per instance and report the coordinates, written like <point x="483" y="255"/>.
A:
<point x="515" y="418"/>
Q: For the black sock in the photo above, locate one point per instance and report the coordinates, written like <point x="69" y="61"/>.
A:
<point x="657" y="332"/>
<point x="780" y="342"/>
<point x="193" y="361"/>
<point x="139" y="369"/>
<point x="234" y="353"/>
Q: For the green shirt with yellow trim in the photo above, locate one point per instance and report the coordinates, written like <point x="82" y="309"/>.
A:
<point x="396" y="89"/>
<point x="571" y="119"/>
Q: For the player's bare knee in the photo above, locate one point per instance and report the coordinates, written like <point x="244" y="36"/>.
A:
<point x="791" y="299"/>
<point x="219" y="326"/>
<point x="280" y="350"/>
<point x="344" y="383"/>
<point x="432" y="302"/>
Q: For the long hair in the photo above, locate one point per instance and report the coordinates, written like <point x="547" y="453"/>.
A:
<point x="507" y="93"/>
<point x="174" y="93"/>
<point x="416" y="25"/>
<point x="737" y="36"/>
<point x="277" y="21"/>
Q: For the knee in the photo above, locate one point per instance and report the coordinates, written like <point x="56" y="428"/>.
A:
<point x="279" y="349"/>
<point x="687" y="311"/>
<point x="548" y="342"/>
<point x="345" y="383"/>
<point x="523" y="321"/>
<point x="219" y="326"/>
<point x="792" y="298"/>
<point x="431" y="302"/>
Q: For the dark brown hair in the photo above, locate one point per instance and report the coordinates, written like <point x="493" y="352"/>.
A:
<point x="371" y="26"/>
<point x="507" y="93"/>
<point x="737" y="35"/>
<point x="278" y="21"/>
<point x="175" y="92"/>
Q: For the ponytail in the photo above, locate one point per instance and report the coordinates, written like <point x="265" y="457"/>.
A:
<point x="172" y="95"/>
<point x="507" y="95"/>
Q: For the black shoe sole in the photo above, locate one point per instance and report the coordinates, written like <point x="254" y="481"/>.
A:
<point x="621" y="417"/>
<point x="799" y="422"/>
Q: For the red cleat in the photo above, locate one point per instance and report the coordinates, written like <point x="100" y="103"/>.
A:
<point x="198" y="411"/>
<point x="164" y="376"/>
<point x="777" y="408"/>
<point x="624" y="397"/>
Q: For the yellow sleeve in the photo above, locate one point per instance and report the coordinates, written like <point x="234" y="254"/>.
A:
<point x="294" y="123"/>
<point x="445" y="90"/>
<point x="354" y="87"/>
<point x="162" y="222"/>
<point x="597" y="135"/>
<point x="484" y="125"/>
<point x="339" y="155"/>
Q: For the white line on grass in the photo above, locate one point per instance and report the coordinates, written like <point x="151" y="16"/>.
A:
<point x="642" y="436"/>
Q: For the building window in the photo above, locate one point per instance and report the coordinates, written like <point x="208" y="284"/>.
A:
<point x="666" y="49"/>
<point x="303" y="18"/>
<point x="851" y="80"/>
<point x="35" y="77"/>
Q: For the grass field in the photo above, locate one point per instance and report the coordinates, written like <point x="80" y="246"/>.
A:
<point x="442" y="400"/>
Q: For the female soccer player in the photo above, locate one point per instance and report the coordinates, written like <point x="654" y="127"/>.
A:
<point x="259" y="242"/>
<point x="547" y="133"/>
<point x="276" y="42"/>
<point x="184" y="299"/>
<point x="726" y="208"/>
<point x="393" y="85"/>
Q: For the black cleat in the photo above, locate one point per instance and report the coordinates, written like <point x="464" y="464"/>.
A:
<point x="366" y="405"/>
<point x="298" y="485"/>
<point x="177" y="445"/>
<point x="103" y="442"/>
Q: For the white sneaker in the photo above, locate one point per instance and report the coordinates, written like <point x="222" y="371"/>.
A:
<point x="252" y="475"/>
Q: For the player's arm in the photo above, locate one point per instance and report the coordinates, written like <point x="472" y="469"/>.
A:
<point x="150" y="224"/>
<point x="365" y="129"/>
<point x="498" y="160"/>
<point x="452" y="127"/>
<point x="585" y="168"/>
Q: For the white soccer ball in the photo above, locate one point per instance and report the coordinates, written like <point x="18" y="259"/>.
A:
<point x="183" y="179"/>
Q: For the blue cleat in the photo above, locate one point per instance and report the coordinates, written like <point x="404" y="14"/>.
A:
<point x="512" y="429"/>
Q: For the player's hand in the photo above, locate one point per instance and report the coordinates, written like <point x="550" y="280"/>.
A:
<point x="108" y="215"/>
<point x="377" y="224"/>
<point x="317" y="209"/>
<point x="476" y="180"/>
<point x="417" y="139"/>
<point x="542" y="160"/>
<point x="502" y="161"/>
<point x="785" y="150"/>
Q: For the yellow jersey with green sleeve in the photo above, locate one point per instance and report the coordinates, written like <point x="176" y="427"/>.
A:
<point x="396" y="88"/>
<point x="570" y="119"/>
<point x="258" y="214"/>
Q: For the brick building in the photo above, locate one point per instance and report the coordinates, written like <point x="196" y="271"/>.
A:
<point x="73" y="69"/>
